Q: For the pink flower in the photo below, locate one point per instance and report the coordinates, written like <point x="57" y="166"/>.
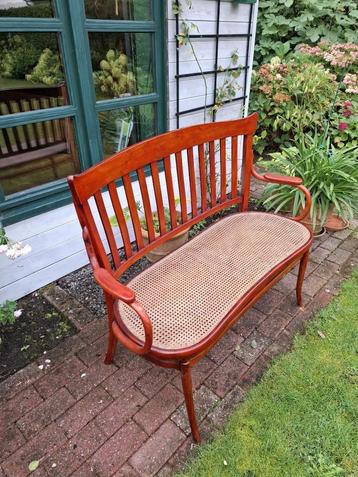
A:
<point x="348" y="104"/>
<point x="347" y="113"/>
<point x="342" y="126"/>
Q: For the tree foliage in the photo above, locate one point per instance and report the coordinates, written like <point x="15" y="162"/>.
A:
<point x="284" y="24"/>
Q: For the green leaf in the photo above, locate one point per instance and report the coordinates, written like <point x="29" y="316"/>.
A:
<point x="33" y="465"/>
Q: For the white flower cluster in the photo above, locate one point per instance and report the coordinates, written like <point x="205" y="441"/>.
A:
<point x="15" y="249"/>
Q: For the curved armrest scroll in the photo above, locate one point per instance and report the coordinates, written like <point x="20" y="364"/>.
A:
<point x="127" y="295"/>
<point x="114" y="288"/>
<point x="290" y="181"/>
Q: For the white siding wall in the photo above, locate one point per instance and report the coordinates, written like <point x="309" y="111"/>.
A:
<point x="55" y="236"/>
<point x="233" y="19"/>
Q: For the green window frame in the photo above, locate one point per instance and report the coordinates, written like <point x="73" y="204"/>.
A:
<point x="73" y="28"/>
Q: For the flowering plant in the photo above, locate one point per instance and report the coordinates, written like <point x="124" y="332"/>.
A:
<point x="12" y="249"/>
<point x="289" y="95"/>
<point x="307" y="92"/>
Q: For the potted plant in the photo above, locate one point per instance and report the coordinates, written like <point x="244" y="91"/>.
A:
<point x="169" y="246"/>
<point x="163" y="249"/>
<point x="329" y="173"/>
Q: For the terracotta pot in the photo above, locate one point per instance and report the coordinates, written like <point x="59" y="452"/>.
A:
<point x="167" y="247"/>
<point x="335" y="223"/>
<point x="318" y="230"/>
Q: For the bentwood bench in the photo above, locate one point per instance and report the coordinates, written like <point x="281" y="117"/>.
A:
<point x="175" y="311"/>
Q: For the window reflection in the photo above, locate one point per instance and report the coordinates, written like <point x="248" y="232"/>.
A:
<point x="29" y="59"/>
<point x="119" y="9"/>
<point x="122" y="127"/>
<point x="122" y="64"/>
<point x="26" y="8"/>
<point x="36" y="153"/>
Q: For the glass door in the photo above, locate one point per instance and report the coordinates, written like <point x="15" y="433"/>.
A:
<point x="78" y="81"/>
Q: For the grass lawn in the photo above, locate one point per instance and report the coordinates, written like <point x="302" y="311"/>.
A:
<point x="302" y="419"/>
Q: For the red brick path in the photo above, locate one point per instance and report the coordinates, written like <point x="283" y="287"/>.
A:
<point x="81" y="418"/>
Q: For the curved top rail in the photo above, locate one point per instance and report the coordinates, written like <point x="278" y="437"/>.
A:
<point x="155" y="149"/>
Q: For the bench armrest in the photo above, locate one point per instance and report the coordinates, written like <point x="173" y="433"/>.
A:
<point x="123" y="293"/>
<point x="290" y="181"/>
<point x="113" y="287"/>
<point x="278" y="179"/>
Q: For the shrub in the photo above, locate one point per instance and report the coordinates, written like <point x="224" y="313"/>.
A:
<point x="48" y="69"/>
<point x="302" y="21"/>
<point x="18" y="57"/>
<point x="114" y="78"/>
<point x="289" y="95"/>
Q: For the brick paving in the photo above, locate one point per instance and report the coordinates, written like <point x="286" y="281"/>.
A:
<point x="81" y="418"/>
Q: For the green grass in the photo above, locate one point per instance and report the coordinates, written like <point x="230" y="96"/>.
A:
<point x="302" y="419"/>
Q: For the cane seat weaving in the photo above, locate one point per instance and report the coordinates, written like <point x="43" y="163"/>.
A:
<point x="187" y="293"/>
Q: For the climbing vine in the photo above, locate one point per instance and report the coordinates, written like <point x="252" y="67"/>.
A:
<point x="229" y="87"/>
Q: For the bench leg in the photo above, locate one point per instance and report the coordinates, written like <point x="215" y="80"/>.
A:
<point x="112" y="341"/>
<point x="189" y="402"/>
<point x="301" y="276"/>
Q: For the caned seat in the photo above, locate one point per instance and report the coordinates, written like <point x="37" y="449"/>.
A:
<point x="189" y="292"/>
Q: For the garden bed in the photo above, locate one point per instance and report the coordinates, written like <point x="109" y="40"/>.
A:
<point x="40" y="328"/>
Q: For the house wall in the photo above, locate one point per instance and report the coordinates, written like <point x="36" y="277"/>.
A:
<point x="55" y="236"/>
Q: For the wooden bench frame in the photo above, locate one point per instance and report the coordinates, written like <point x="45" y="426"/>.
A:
<point x="147" y="154"/>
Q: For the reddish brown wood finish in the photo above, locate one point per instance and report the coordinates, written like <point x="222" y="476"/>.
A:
<point x="196" y="141"/>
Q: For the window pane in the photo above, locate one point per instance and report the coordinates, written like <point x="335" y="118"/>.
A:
<point x="35" y="154"/>
<point x="123" y="127"/>
<point x="122" y="64"/>
<point x="28" y="61"/>
<point x="119" y="9"/>
<point x="37" y="8"/>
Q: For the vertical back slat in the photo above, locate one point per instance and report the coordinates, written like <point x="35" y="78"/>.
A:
<point x="95" y="238"/>
<point x="246" y="171"/>
<point x="158" y="197"/>
<point x="170" y="188"/>
<point x="234" y="167"/>
<point x="38" y="127"/>
<point x="193" y="198"/>
<point x="212" y="173"/>
<point x="181" y="184"/>
<point x="202" y="173"/>
<point x="18" y="130"/>
<point x="122" y="224"/>
<point x="223" y="169"/>
<point x="55" y="122"/>
<point x="31" y="139"/>
<point x="50" y="136"/>
<point x="107" y="227"/>
<point x="133" y="210"/>
<point x="146" y="204"/>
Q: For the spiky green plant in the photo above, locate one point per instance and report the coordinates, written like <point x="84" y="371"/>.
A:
<point x="329" y="173"/>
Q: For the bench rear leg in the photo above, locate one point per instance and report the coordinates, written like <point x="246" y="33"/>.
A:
<point x="112" y="340"/>
<point x="300" y="278"/>
<point x="189" y="401"/>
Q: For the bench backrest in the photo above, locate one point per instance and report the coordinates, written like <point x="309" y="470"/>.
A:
<point x="20" y="139"/>
<point x="209" y="152"/>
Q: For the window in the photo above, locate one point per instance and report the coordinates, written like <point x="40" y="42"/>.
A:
<point x="78" y="81"/>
